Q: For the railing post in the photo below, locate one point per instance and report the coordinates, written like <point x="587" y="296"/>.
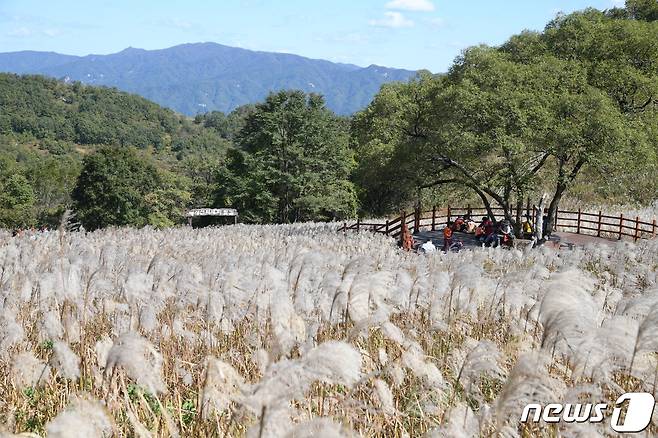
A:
<point x="527" y="208"/>
<point x="621" y="224"/>
<point x="598" y="226"/>
<point x="637" y="228"/>
<point x="578" y="225"/>
<point x="403" y="218"/>
<point x="555" y="225"/>
<point x="387" y="227"/>
<point x="434" y="218"/>
<point x="416" y="219"/>
<point x="468" y="210"/>
<point x="358" y="224"/>
<point x="653" y="229"/>
<point x="344" y="227"/>
<point x="449" y="213"/>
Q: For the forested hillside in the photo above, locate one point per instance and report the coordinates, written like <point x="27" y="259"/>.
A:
<point x="52" y="110"/>
<point x="118" y="159"/>
<point x="48" y="127"/>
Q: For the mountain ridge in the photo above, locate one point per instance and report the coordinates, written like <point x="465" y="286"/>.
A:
<point x="194" y="78"/>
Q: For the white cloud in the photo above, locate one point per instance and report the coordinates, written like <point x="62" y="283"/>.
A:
<point x="436" y="22"/>
<point x="51" y="32"/>
<point x="393" y="20"/>
<point x="351" y="38"/>
<point x="26" y="32"/>
<point x="177" y="23"/>
<point x="20" y="32"/>
<point x="411" y="5"/>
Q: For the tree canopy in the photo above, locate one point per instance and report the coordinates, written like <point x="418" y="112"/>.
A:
<point x="513" y="121"/>
<point x="111" y="188"/>
<point x="121" y="186"/>
<point x="292" y="163"/>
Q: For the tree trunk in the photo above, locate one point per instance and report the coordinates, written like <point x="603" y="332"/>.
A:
<point x="486" y="203"/>
<point x="519" y="211"/>
<point x="563" y="182"/>
<point x="508" y="211"/>
<point x="552" y="209"/>
<point x="419" y="204"/>
<point x="539" y="221"/>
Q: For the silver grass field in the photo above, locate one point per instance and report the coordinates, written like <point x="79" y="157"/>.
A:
<point x="299" y="331"/>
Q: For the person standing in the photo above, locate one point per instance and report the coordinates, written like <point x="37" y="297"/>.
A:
<point x="447" y="236"/>
<point x="406" y="239"/>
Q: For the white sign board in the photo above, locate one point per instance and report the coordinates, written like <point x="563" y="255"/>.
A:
<point x="212" y="212"/>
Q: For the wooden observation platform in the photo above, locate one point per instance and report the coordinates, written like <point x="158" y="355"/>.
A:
<point x="211" y="212"/>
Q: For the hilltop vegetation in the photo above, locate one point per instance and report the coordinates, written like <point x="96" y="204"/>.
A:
<point x="53" y="111"/>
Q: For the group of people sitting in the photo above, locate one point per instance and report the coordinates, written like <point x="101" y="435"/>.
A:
<point x="487" y="232"/>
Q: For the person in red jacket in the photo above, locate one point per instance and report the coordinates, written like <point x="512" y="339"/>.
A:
<point x="485" y="227"/>
<point x="447" y="236"/>
<point x="490" y="236"/>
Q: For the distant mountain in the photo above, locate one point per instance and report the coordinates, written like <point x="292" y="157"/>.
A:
<point x="196" y="78"/>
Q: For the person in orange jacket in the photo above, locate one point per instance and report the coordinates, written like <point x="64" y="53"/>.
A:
<point x="406" y="239"/>
<point x="447" y="236"/>
<point x="459" y="224"/>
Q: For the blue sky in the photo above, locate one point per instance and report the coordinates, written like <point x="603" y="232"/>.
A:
<point x="409" y="34"/>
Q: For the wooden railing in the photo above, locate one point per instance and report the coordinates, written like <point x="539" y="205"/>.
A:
<point x="577" y="221"/>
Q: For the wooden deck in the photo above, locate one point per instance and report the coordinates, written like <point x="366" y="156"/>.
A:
<point x="560" y="240"/>
<point x="469" y="240"/>
<point x="593" y="227"/>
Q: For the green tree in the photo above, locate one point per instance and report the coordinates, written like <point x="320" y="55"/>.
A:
<point x="618" y="50"/>
<point x="618" y="54"/>
<point x="507" y="126"/>
<point x="201" y="169"/>
<point x="386" y="137"/>
<point x="167" y="203"/>
<point x="294" y="163"/>
<point x="226" y="125"/>
<point x="646" y="10"/>
<point x="112" y="187"/>
<point x="16" y="202"/>
<point x="53" y="179"/>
